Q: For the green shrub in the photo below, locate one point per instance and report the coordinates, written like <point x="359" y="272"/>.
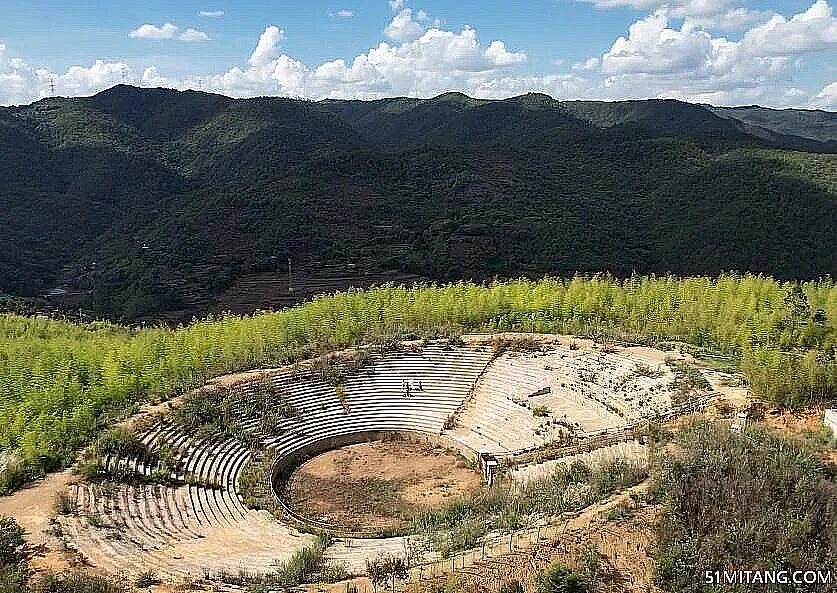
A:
<point x="558" y="579"/>
<point x="340" y="392"/>
<point x="731" y="500"/>
<point x="166" y="456"/>
<point x="120" y="442"/>
<point x="147" y="579"/>
<point x="91" y="468"/>
<point x="616" y="475"/>
<point x="307" y="565"/>
<point x="333" y="573"/>
<point x="687" y="381"/>
<point x="466" y="534"/>
<point x="13" y="476"/>
<point x="271" y="424"/>
<point x="462" y="523"/>
<point x="13" y="577"/>
<point x="204" y="408"/>
<point x="516" y="344"/>
<point x="386" y="569"/>
<point x="540" y="411"/>
<point x="77" y="583"/>
<point x="11" y="541"/>
<point x="254" y="483"/>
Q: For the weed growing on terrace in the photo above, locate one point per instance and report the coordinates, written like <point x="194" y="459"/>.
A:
<point x="540" y="411"/>
<point x="461" y="524"/>
<point x="307" y="565"/>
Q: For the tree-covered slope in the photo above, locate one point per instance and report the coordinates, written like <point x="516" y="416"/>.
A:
<point x="147" y="200"/>
<point x="814" y="125"/>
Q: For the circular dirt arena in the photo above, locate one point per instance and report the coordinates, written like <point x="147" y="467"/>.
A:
<point x="560" y="396"/>
<point x="380" y="484"/>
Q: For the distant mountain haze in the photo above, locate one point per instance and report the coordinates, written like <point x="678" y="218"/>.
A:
<point x="142" y="202"/>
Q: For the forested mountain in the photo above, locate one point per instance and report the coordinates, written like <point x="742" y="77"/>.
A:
<point x="144" y="201"/>
<point x="813" y="125"/>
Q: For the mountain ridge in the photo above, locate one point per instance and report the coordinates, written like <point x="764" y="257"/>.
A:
<point x="137" y="200"/>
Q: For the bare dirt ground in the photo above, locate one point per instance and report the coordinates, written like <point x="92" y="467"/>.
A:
<point x="803" y="425"/>
<point x="379" y="484"/>
<point x="790" y="423"/>
<point x="32" y="508"/>
<point x="237" y="379"/>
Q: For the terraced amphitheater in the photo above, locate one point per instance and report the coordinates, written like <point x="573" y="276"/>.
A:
<point x="202" y="492"/>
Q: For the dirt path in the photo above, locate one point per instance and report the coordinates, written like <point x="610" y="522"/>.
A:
<point x="33" y="508"/>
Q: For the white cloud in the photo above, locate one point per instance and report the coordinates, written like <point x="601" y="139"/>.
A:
<point x="193" y="35"/>
<point x="151" y="77"/>
<point x="635" y="4"/>
<point x="690" y="64"/>
<point x="344" y="14"/>
<point x="21" y="83"/>
<point x="810" y="31"/>
<point x="212" y="13"/>
<point x="733" y="19"/>
<point x="560" y="86"/>
<point x="397" y="5"/>
<point x="655" y="58"/>
<point x="698" y="8"/>
<point x="101" y="75"/>
<point x="588" y="65"/>
<point x="403" y="27"/>
<point x="17" y="79"/>
<point x="268" y="46"/>
<point x="498" y="55"/>
<point x="167" y="31"/>
<point x="826" y="98"/>
<point x="720" y="15"/>
<point x="653" y="48"/>
<point x="677" y="8"/>
<point x="435" y="62"/>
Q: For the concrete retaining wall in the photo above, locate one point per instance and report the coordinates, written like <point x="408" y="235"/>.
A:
<point x="284" y="466"/>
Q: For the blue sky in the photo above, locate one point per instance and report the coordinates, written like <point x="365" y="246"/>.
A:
<point x="728" y="52"/>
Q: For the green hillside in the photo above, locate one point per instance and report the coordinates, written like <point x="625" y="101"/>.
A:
<point x="814" y="125"/>
<point x="60" y="382"/>
<point x="152" y="203"/>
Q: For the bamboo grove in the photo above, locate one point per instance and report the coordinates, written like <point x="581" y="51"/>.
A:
<point x="60" y="382"/>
